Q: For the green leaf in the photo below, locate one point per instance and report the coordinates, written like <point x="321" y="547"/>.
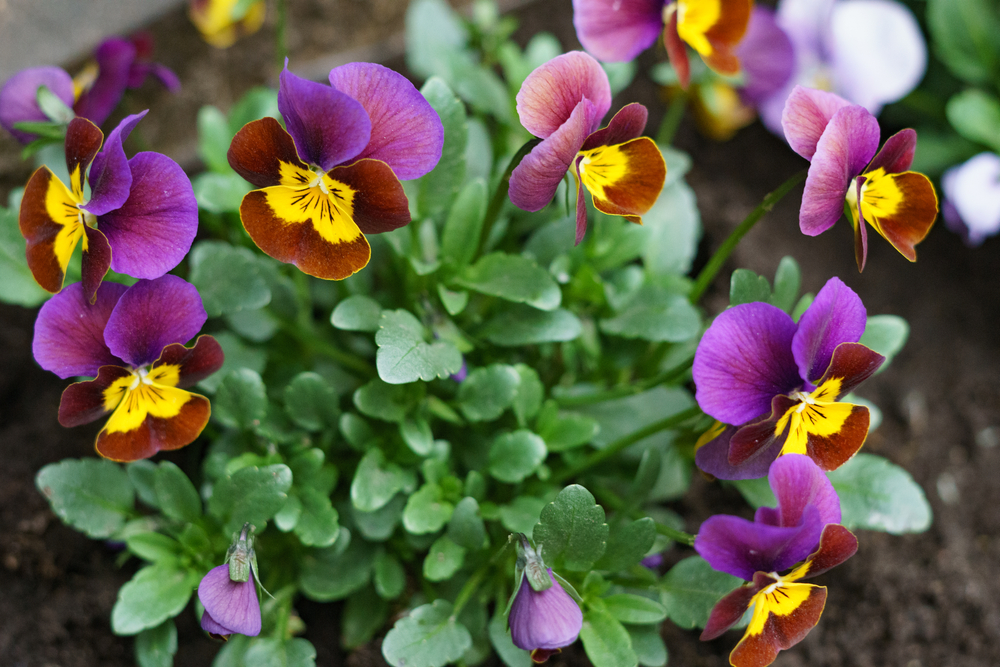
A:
<point x="52" y="106"/>
<point x="356" y="431"/>
<point x="220" y="193"/>
<point x="417" y="435"/>
<point x="257" y="326"/>
<point x="466" y="526"/>
<point x="523" y="325"/>
<point x="176" y="494"/>
<point x="404" y="356"/>
<point x="606" y="641"/>
<point x="154" y="547"/>
<point x="228" y="279"/>
<point x="691" y="588"/>
<point x="747" y="287"/>
<point x="965" y="34"/>
<point x="251" y="495"/>
<point x="511" y="655"/>
<point x="94" y="496"/>
<point x="529" y="394"/>
<point x="255" y="104"/>
<point x="514" y="278"/>
<point x="318" y="524"/>
<point x="487" y="392"/>
<point x="886" y="334"/>
<point x="18" y="285"/>
<point x="630" y="608"/>
<point x="154" y="594"/>
<point x="464" y="225"/>
<point x="388" y="402"/>
<point x="648" y="645"/>
<point x="213" y="139"/>
<point x="453" y="302"/>
<point x="337" y="571"/>
<point x="876" y="494"/>
<point x="362" y="617"/>
<point x="655" y="314"/>
<point x="311" y="402"/>
<point x="238" y="356"/>
<point x="156" y="647"/>
<point x="439" y="187"/>
<point x="390" y="577"/>
<point x="567" y="430"/>
<point x="522" y="514"/>
<point x="757" y="492"/>
<point x="571" y="529"/>
<point x="429" y="637"/>
<point x="142" y="474"/>
<point x="787" y="283"/>
<point x="976" y="116"/>
<point x="376" y="481"/>
<point x="673" y="225"/>
<point x="432" y="29"/>
<point x="426" y="510"/>
<point x="443" y="560"/>
<point x="628" y="544"/>
<point x="241" y="400"/>
<point x="272" y="652"/>
<point x="357" y="313"/>
<point x="515" y="456"/>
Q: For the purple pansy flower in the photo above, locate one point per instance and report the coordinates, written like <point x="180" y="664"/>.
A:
<point x="333" y="176"/>
<point x="140" y="219"/>
<point x="562" y="102"/>
<point x="131" y="340"/>
<point x="840" y="140"/>
<point x="777" y="384"/>
<point x="544" y="621"/>
<point x="805" y="526"/>
<point x="229" y="592"/>
<point x="972" y="198"/>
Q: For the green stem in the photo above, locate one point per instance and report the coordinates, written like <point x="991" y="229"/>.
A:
<point x="280" y="43"/>
<point x="308" y="339"/>
<point x="674" y="534"/>
<point x="714" y="265"/>
<point x="615" y="502"/>
<point x="469" y="588"/>
<point x="627" y="390"/>
<point x="672" y="119"/>
<point x="500" y="194"/>
<point x="618" y="445"/>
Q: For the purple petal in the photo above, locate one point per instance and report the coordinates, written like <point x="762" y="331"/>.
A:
<point x="897" y="152"/>
<point x="798" y="483"/>
<point x="547" y="620"/>
<point x="741" y="548"/>
<point x="617" y="30"/>
<point x="138" y="73"/>
<point x="552" y="93"/>
<point x="627" y="124"/>
<point x="114" y="59"/>
<point x="110" y="177"/>
<point x="212" y="627"/>
<point x="406" y="132"/>
<point x="836" y="316"/>
<point x="534" y="181"/>
<point x="328" y="126"/>
<point x="151" y="315"/>
<point x="69" y="331"/>
<point x="743" y="361"/>
<point x="848" y="143"/>
<point x="806" y="114"/>
<point x="19" y="97"/>
<point x="766" y="55"/>
<point x="232" y="605"/>
<point x="713" y="458"/>
<point x="153" y="231"/>
<point x="972" y="197"/>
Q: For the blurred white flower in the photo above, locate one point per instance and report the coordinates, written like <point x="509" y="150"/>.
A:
<point x="972" y="198"/>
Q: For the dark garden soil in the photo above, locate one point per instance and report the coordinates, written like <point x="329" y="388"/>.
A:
<point x="930" y="600"/>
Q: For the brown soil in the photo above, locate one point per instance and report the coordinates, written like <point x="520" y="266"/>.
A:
<point x="930" y="600"/>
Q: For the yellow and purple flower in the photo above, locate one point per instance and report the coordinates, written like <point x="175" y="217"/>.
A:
<point x="841" y="141"/>
<point x="804" y="528"/>
<point x="562" y="102"/>
<point x="222" y="22"/>
<point x="140" y="219"/>
<point x="229" y="592"/>
<point x="619" y="30"/>
<point x="333" y="176"/>
<point x="131" y="340"/>
<point x="777" y="384"/>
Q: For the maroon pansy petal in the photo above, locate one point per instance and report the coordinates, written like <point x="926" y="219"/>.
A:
<point x="328" y="126"/>
<point x="852" y="363"/>
<point x="713" y="458"/>
<point x="83" y="141"/>
<point x="727" y="612"/>
<point x="69" y="331"/>
<point x="836" y="545"/>
<point x="552" y="93"/>
<point x="798" y="483"/>
<point x="676" y="50"/>
<point x="835" y="316"/>
<point x="754" y="438"/>
<point x="151" y="315"/>
<point x="153" y="231"/>
<point x="766" y="55"/>
<point x="259" y="148"/>
<point x="406" y="132"/>
<point x="156" y="434"/>
<point x="43" y="247"/>
<point x="536" y="178"/>
<point x="19" y="97"/>
<point x="743" y="361"/>
<point x="897" y="153"/>
<point x="83" y="402"/>
<point x="627" y="124"/>
<point x="196" y="363"/>
<point x="114" y="59"/>
<point x="95" y="262"/>
<point x="110" y="176"/>
<point x="617" y="30"/>
<point x="379" y="203"/>
<point x="779" y="632"/>
<point x="806" y="114"/>
<point x="848" y="143"/>
<point x="232" y="604"/>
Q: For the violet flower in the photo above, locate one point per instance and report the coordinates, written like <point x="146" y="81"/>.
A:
<point x="131" y="340"/>
<point x="841" y="140"/>
<point x="972" y="198"/>
<point x="778" y="383"/>
<point x="562" y="102"/>
<point x="140" y="219"/>
<point x="334" y="175"/>
<point x="229" y="592"/>
<point x="543" y="622"/>
<point x="804" y="526"/>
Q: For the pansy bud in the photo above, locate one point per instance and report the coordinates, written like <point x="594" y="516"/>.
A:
<point x="544" y="622"/>
<point x="229" y="592"/>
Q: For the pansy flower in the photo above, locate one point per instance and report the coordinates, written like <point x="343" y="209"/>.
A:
<point x="222" y="22"/>
<point x="131" y="340"/>
<point x="778" y="383"/>
<point x="140" y="218"/>
<point x="619" y="30"/>
<point x="804" y="526"/>
<point x="229" y="592"/>
<point x="972" y="198"/>
<point x="562" y="102"/>
<point x="333" y="176"/>
<point x="841" y="140"/>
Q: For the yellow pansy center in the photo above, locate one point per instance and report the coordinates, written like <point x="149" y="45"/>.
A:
<point x="64" y="207"/>
<point x="880" y="197"/>
<point x="694" y="19"/>
<point x="307" y="195"/>
<point x="144" y="391"/>
<point x="781" y="598"/>
<point x="816" y="412"/>
<point x="601" y="168"/>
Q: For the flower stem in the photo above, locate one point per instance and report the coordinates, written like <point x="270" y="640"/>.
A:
<point x="615" y="502"/>
<point x="672" y="119"/>
<point x="496" y="201"/>
<point x="627" y="390"/>
<point x="714" y="265"/>
<point x="618" y="445"/>
<point x="469" y="588"/>
<point x="280" y="42"/>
